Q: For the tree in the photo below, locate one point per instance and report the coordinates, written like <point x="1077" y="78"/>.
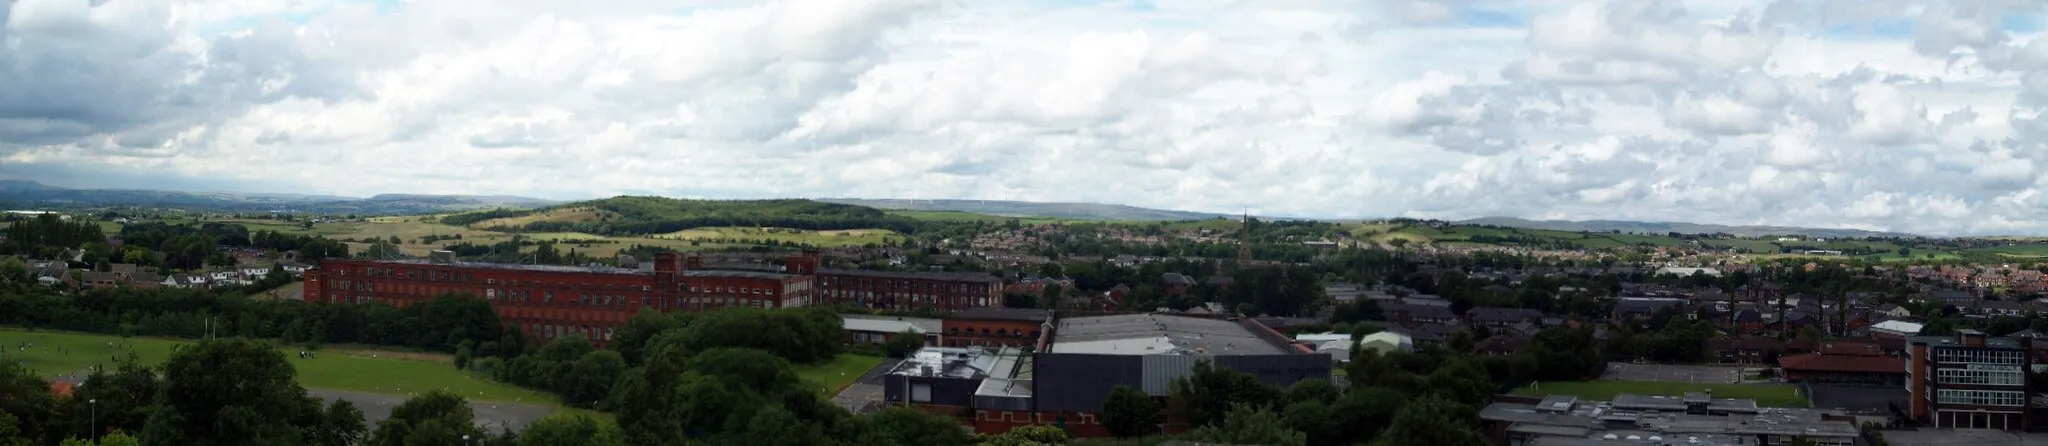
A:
<point x="1129" y="412"/>
<point x="341" y="425"/>
<point x="436" y="417"/>
<point x="26" y="403"/>
<point x="1247" y="424"/>
<point x="1434" y="422"/>
<point x="1050" y="297"/>
<point x="230" y="392"/>
<point x="901" y="345"/>
<point x="1033" y="435"/>
<point x="572" y="430"/>
<point x="1207" y="392"/>
<point x="118" y="438"/>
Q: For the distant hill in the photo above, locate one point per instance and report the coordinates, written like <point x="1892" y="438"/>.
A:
<point x="629" y="215"/>
<point x="1071" y="211"/>
<point x="30" y="193"/>
<point x="1682" y="228"/>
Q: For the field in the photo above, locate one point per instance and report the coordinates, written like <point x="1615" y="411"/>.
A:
<point x="351" y="370"/>
<point x="1766" y="395"/>
<point x="554" y="215"/>
<point x="846" y="237"/>
<point x="411" y="229"/>
<point x="2017" y="251"/>
<point x="831" y="377"/>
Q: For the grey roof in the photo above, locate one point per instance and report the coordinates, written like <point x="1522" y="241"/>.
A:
<point x="889" y="324"/>
<point x="1012" y="314"/>
<point x="1176" y="279"/>
<point x="1158" y="334"/>
<point x="1502" y="314"/>
<point x="947" y="362"/>
<point x="921" y="275"/>
<point x="1009" y="376"/>
<point x="510" y="266"/>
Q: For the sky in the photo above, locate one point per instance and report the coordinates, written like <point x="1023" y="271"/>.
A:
<point x="1916" y="116"/>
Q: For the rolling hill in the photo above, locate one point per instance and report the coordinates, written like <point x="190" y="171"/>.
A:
<point x="629" y="215"/>
<point x="30" y="193"/>
<point x="1682" y="228"/>
<point x="1069" y="211"/>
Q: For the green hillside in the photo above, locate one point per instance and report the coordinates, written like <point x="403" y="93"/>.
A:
<point x="657" y="215"/>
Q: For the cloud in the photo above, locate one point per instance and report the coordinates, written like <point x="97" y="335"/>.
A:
<point x="1909" y="115"/>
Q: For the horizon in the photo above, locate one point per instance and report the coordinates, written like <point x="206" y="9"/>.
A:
<point x="1908" y="118"/>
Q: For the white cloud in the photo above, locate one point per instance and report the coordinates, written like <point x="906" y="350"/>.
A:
<point x="1912" y="115"/>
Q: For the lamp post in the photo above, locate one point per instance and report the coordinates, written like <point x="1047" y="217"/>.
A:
<point x="95" y="404"/>
<point x="465" y="440"/>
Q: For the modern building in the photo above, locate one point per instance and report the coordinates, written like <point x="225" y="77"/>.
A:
<point x="545" y="301"/>
<point x="1694" y="418"/>
<point x="1969" y="381"/>
<point x="1063" y="381"/>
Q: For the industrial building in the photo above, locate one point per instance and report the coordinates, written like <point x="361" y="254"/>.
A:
<point x="545" y="302"/>
<point x="1063" y="379"/>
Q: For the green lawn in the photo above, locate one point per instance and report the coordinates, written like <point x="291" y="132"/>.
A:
<point x="832" y="377"/>
<point x="1766" y="395"/>
<point x="332" y="370"/>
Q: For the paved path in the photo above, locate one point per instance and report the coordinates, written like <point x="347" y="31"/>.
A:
<point x="492" y="415"/>
<point x="865" y="395"/>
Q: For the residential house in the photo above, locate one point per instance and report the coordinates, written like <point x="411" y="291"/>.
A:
<point x="1501" y="345"/>
<point x="1221" y="282"/>
<point x="1176" y="283"/>
<point x="2003" y="308"/>
<point x="1892" y="311"/>
<point x="1500" y="317"/>
<point x="98" y="280"/>
<point x="1413" y="314"/>
<point x="1634" y="310"/>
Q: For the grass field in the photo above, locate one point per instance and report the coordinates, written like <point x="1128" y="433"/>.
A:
<point x="832" y="377"/>
<point x="827" y="238"/>
<point x="1767" y="395"/>
<point x="347" y="369"/>
<point x="552" y="215"/>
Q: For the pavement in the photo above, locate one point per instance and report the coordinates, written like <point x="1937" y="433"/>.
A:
<point x="492" y="415"/>
<point x="865" y="395"/>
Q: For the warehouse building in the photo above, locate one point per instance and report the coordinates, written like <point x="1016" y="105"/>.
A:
<point x="1063" y="381"/>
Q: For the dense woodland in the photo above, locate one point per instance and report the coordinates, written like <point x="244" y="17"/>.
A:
<point x="163" y="246"/>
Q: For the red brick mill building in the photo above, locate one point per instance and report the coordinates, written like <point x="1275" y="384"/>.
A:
<point x="545" y="301"/>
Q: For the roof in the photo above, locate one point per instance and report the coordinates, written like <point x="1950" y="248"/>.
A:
<point x="922" y="275"/>
<point x="947" y="362"/>
<point x="489" y="265"/>
<point x="1897" y="327"/>
<point x="1158" y="334"/>
<point x="1009" y="376"/>
<point x="1501" y="314"/>
<point x="1821" y="362"/>
<point x="889" y="324"/>
<point x="1008" y="314"/>
<point x="1176" y="279"/>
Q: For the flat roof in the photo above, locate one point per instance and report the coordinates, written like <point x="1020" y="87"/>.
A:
<point x="1950" y="341"/>
<point x="1158" y="334"/>
<point x="947" y="362"/>
<point x="504" y="266"/>
<point x="889" y="324"/>
<point x="1963" y="437"/>
<point x="1009" y="314"/>
<point x="574" y="269"/>
<point x="1009" y="376"/>
<point x="925" y="275"/>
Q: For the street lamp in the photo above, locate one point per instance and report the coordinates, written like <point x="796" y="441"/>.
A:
<point x="465" y="440"/>
<point x="95" y="404"/>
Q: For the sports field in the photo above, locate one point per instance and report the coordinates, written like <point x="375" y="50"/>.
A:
<point x="55" y="354"/>
<point x="1766" y="395"/>
<point x="831" y="377"/>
